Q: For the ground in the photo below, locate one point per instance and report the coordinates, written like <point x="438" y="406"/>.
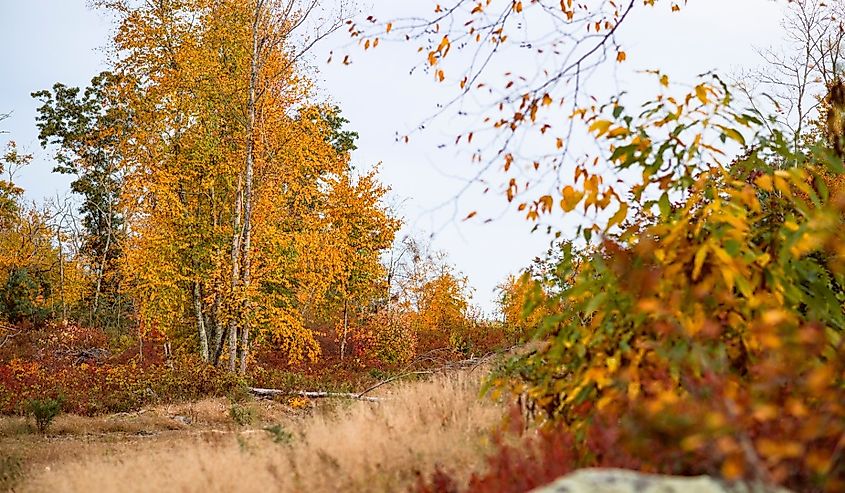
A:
<point x="255" y="445"/>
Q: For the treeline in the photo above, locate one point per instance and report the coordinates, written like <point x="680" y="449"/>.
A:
<point x="216" y="207"/>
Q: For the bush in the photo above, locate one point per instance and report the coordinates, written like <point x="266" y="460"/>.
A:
<point x="95" y="389"/>
<point x="19" y="298"/>
<point x="279" y="434"/>
<point x="713" y="325"/>
<point x="242" y="415"/>
<point x="44" y="411"/>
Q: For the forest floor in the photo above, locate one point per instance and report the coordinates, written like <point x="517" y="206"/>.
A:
<point x="260" y="445"/>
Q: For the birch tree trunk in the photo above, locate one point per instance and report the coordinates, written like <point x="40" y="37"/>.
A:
<point x="203" y="336"/>
<point x="235" y="259"/>
<point x="255" y="65"/>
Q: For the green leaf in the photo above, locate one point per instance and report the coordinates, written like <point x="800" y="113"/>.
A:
<point x="664" y="205"/>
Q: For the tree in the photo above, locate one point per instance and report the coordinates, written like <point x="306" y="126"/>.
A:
<point x="795" y="79"/>
<point x="360" y="231"/>
<point x="88" y="130"/>
<point x="231" y="168"/>
<point x="34" y="285"/>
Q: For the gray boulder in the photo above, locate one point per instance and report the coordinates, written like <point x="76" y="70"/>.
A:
<point x="622" y="481"/>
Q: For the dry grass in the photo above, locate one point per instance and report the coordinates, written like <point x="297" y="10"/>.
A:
<point x="356" y="447"/>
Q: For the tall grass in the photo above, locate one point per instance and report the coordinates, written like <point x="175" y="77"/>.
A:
<point x="357" y="447"/>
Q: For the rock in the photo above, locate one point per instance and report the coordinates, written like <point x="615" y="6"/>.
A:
<point x="185" y="420"/>
<point x="622" y="481"/>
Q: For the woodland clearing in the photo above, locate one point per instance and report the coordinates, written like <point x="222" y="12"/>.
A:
<point x="326" y="446"/>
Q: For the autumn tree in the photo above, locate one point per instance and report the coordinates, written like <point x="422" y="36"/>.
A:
<point x="429" y="296"/>
<point x="245" y="216"/>
<point x="37" y="280"/>
<point x="360" y="231"/>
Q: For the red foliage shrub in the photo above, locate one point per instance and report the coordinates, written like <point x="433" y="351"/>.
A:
<point x="93" y="389"/>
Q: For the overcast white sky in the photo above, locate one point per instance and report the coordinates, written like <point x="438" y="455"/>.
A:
<point x="47" y="41"/>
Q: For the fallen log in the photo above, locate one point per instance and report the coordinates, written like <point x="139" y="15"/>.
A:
<point x="267" y="393"/>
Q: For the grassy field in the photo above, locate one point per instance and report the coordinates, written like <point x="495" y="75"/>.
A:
<point x="217" y="445"/>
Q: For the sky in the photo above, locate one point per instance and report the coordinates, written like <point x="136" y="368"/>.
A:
<point x="49" y="41"/>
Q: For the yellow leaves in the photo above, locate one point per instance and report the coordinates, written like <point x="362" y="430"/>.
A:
<point x="781" y="183"/>
<point x="766" y="412"/>
<point x="547" y="100"/>
<point x="701" y="93"/>
<point x="700" y="257"/>
<point x="441" y="51"/>
<point x="618" y="132"/>
<point x="664" y="80"/>
<point x="765" y="182"/>
<point x="649" y="305"/>
<point x="571" y="198"/>
<point x="820" y="379"/>
<point x="600" y="127"/>
<point x="619" y="217"/>
<point x="612" y="363"/>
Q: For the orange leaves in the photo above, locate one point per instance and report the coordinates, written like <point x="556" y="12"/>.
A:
<point x="512" y="189"/>
<point x="571" y="198"/>
<point x="546" y="203"/>
<point x="442" y="50"/>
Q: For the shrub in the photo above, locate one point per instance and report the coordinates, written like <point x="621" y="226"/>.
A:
<point x="279" y="434"/>
<point x="242" y="415"/>
<point x="19" y="297"/>
<point x="44" y="411"/>
<point x="713" y="325"/>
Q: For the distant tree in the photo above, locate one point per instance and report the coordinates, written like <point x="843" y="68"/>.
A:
<point x="88" y="129"/>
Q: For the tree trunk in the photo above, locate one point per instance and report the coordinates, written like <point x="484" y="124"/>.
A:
<point x="100" y="275"/>
<point x="345" y="328"/>
<point x="250" y="165"/>
<point x="235" y="258"/>
<point x="203" y="336"/>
